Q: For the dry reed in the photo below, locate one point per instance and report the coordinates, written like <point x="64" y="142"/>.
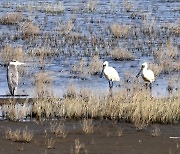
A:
<point x="19" y="135"/>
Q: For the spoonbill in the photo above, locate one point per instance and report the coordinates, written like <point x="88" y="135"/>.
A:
<point x="147" y="75"/>
<point x="12" y="76"/>
<point x="110" y="73"/>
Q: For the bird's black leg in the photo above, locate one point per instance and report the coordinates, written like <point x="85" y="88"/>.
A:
<point x="110" y="92"/>
<point x="150" y="86"/>
<point x="109" y="84"/>
<point x="146" y="85"/>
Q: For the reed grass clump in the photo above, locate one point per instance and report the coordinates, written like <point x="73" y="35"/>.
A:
<point x="167" y="59"/>
<point x="91" y="5"/>
<point x="135" y="106"/>
<point x="127" y="5"/>
<point x="9" y="53"/>
<point x="19" y="135"/>
<point x="50" y="143"/>
<point x="52" y="8"/>
<point x="58" y="129"/>
<point x="28" y="29"/>
<point x="79" y="147"/>
<point x="42" y="83"/>
<point x="121" y="54"/>
<point x="95" y="66"/>
<point x="80" y="69"/>
<point x="87" y="126"/>
<point x="11" y="18"/>
<point x="70" y="91"/>
<point x="119" y="30"/>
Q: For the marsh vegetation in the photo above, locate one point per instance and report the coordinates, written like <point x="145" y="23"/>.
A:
<point x="64" y="45"/>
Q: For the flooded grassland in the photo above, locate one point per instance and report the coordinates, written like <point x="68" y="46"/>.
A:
<point x="61" y="100"/>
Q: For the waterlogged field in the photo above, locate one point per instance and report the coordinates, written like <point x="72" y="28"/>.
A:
<point x="64" y="44"/>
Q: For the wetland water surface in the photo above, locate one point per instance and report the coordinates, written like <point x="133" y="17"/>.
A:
<point x="65" y="42"/>
<point x="72" y="30"/>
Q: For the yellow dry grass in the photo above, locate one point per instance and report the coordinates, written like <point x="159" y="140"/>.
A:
<point x="18" y="135"/>
<point x="137" y="106"/>
<point x="11" y="18"/>
<point x="119" y="30"/>
<point x="122" y="54"/>
<point x="9" y="53"/>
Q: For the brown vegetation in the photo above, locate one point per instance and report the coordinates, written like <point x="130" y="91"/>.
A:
<point x="95" y="65"/>
<point x="19" y="135"/>
<point x="119" y="30"/>
<point x="11" y="18"/>
<point x="87" y="126"/>
<point x="122" y="54"/>
<point x="9" y="53"/>
<point x="29" y="29"/>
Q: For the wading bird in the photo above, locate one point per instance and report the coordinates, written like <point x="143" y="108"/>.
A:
<point x="110" y="73"/>
<point x="147" y="75"/>
<point x="12" y="76"/>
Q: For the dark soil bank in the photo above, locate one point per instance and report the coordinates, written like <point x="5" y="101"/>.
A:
<point x="108" y="137"/>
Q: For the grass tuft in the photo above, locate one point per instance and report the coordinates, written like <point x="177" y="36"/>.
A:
<point x="11" y="18"/>
<point x="19" y="135"/>
<point x="119" y="30"/>
<point x="122" y="54"/>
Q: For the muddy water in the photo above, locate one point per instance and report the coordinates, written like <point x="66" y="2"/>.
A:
<point x="91" y="23"/>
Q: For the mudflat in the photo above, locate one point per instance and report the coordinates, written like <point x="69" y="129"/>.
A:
<point x="108" y="136"/>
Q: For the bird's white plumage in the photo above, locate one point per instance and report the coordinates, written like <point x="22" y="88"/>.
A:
<point x="110" y="73"/>
<point x="147" y="74"/>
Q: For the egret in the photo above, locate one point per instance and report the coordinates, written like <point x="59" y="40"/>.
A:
<point x="110" y="73"/>
<point x="12" y="76"/>
<point x="147" y="75"/>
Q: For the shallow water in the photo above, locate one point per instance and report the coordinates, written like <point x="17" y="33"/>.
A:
<point x="87" y="23"/>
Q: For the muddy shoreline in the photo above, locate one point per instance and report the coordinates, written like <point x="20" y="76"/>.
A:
<point x="109" y="137"/>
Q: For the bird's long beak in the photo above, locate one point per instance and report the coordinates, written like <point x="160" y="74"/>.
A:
<point x="139" y="73"/>
<point x="19" y="63"/>
<point x="101" y="75"/>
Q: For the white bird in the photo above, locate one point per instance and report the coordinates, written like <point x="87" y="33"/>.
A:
<point x="110" y="73"/>
<point x="12" y="76"/>
<point x="147" y="75"/>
